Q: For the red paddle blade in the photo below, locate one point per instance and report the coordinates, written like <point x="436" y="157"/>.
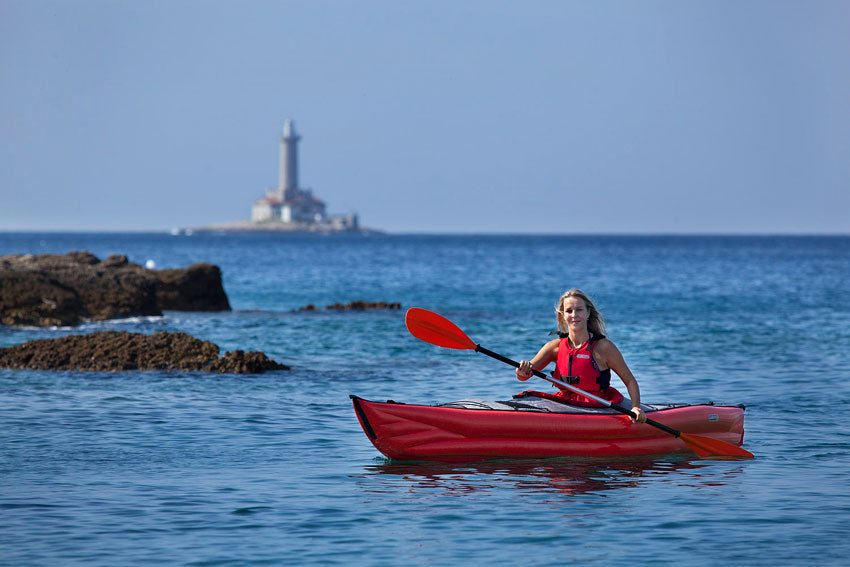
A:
<point x="710" y="447"/>
<point x="435" y="329"/>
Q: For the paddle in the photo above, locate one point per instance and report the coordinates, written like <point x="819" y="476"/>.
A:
<point x="437" y="330"/>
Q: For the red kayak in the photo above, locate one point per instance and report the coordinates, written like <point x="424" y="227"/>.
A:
<point x="471" y="430"/>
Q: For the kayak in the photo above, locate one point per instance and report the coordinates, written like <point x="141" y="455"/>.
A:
<point x="532" y="427"/>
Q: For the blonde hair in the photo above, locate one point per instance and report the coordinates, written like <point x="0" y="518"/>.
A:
<point x="595" y="321"/>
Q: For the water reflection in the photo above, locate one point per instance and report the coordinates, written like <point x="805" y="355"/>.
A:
<point x="561" y="476"/>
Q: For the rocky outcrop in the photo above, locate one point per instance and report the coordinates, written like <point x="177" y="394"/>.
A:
<point x="113" y="351"/>
<point x="196" y="288"/>
<point x="67" y="289"/>
<point x="354" y="306"/>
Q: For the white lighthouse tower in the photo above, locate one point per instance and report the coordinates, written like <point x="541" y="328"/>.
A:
<point x="288" y="180"/>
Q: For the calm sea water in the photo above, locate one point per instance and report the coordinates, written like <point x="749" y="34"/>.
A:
<point x="198" y="469"/>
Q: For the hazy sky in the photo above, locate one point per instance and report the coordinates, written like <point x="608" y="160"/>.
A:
<point x="432" y="116"/>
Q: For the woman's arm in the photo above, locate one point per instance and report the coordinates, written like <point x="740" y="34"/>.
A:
<point x="611" y="357"/>
<point x="547" y="354"/>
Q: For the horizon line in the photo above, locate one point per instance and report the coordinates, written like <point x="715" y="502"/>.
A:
<point x="192" y="232"/>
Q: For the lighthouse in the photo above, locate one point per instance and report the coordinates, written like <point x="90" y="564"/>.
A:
<point x="290" y="207"/>
<point x="288" y="179"/>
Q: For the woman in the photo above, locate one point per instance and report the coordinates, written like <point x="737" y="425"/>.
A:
<point x="583" y="357"/>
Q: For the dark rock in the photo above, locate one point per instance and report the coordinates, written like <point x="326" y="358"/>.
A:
<point x="196" y="288"/>
<point x="240" y="362"/>
<point x="61" y="290"/>
<point x="112" y="351"/>
<point x="360" y="305"/>
<point x="357" y="305"/>
<point x="115" y="261"/>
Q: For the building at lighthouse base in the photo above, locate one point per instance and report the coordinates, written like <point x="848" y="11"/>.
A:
<point x="299" y="207"/>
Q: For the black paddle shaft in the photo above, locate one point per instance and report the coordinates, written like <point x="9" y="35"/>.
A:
<point x="621" y="409"/>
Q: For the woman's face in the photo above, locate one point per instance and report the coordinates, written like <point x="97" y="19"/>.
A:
<point x="575" y="313"/>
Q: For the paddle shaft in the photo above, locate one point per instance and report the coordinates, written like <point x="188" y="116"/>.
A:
<point x="603" y="401"/>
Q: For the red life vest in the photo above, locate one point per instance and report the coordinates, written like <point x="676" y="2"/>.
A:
<point x="577" y="367"/>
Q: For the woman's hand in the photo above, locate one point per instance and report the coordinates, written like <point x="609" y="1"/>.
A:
<point x="638" y="415"/>
<point x="524" y="371"/>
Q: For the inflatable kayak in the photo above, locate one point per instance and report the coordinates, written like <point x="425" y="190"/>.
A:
<point x="534" y="427"/>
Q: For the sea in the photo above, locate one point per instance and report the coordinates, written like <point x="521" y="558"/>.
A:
<point x="196" y="469"/>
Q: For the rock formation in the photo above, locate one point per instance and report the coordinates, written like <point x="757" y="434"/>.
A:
<point x="357" y="305"/>
<point x="112" y="351"/>
<point x="67" y="289"/>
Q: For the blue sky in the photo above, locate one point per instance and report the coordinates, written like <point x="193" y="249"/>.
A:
<point x="432" y="116"/>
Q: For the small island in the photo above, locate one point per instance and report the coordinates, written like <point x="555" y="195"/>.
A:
<point x="289" y="207"/>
